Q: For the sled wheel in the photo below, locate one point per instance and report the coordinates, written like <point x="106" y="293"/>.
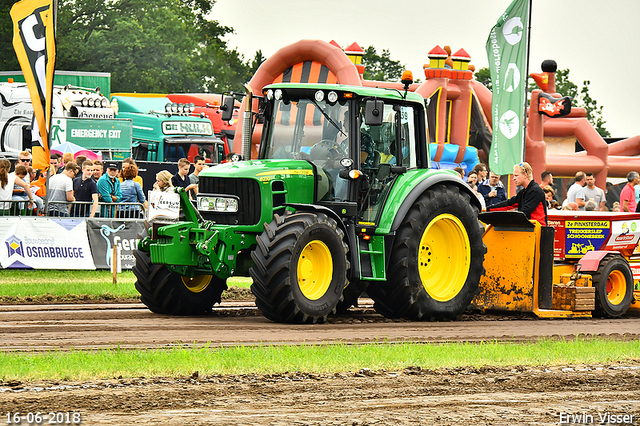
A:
<point x="614" y="287"/>
<point x="436" y="259"/>
<point x="299" y="268"/>
<point x="165" y="292"/>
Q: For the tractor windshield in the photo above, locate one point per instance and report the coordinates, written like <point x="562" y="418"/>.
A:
<point x="308" y="129"/>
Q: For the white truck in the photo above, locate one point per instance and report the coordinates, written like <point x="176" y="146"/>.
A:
<point x="69" y="102"/>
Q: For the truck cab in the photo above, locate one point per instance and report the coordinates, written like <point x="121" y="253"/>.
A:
<point x="69" y="102"/>
<point x="209" y="105"/>
<point x="165" y="131"/>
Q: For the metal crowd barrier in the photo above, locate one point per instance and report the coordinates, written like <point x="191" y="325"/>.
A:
<point x="76" y="209"/>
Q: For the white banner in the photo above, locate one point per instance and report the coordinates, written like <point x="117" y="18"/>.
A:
<point x="163" y="205"/>
<point x="41" y="243"/>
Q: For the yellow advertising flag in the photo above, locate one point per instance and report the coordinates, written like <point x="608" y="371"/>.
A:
<point x="34" y="43"/>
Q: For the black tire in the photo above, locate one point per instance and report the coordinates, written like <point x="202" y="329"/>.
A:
<point x="614" y="287"/>
<point x="285" y="250"/>
<point x="436" y="260"/>
<point x="165" y="292"/>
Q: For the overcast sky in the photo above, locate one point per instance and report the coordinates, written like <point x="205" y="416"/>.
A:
<point x="597" y="40"/>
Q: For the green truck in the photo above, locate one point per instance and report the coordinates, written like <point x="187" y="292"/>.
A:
<point x="341" y="200"/>
<point x="165" y="131"/>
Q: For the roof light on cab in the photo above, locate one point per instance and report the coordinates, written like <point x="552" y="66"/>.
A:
<point x="407" y="79"/>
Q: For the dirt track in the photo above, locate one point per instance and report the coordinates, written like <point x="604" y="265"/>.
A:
<point x="85" y="326"/>
<point x="490" y="396"/>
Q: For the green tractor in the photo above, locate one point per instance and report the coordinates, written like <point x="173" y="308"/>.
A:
<point x="341" y="200"/>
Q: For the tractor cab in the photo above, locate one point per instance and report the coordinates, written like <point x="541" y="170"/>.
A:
<point x="358" y="145"/>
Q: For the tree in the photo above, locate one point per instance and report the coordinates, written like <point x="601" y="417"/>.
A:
<point x="8" y="59"/>
<point x="147" y="46"/>
<point x="483" y="75"/>
<point x="258" y="59"/>
<point x="565" y="87"/>
<point x="381" y="67"/>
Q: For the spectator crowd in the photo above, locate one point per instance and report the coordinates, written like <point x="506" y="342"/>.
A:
<point x="79" y="187"/>
<point x="582" y="195"/>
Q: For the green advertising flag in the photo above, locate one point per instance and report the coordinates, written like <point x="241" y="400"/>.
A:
<point x="507" y="52"/>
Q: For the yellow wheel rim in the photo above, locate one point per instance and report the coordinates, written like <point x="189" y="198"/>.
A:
<point x="616" y="287"/>
<point x="444" y="257"/>
<point x="315" y="270"/>
<point x="197" y="284"/>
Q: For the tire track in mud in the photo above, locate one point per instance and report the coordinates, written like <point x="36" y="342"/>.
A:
<point x="90" y="326"/>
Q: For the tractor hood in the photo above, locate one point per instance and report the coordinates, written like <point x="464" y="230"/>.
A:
<point x="263" y="170"/>
<point x="280" y="181"/>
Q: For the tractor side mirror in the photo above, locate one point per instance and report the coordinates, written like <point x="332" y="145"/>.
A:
<point x="387" y="169"/>
<point x="384" y="171"/>
<point x="228" y="102"/>
<point x="373" y="112"/>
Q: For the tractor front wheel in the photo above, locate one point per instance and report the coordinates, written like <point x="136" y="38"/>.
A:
<point x="165" y="292"/>
<point x="299" y="268"/>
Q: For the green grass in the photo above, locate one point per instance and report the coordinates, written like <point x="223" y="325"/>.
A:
<point x="18" y="284"/>
<point x="105" y="364"/>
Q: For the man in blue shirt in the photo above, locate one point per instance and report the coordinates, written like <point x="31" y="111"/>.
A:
<point x="492" y="190"/>
<point x="109" y="189"/>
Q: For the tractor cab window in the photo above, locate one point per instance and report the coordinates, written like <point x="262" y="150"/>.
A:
<point x="408" y="136"/>
<point x="312" y="130"/>
<point x="212" y="150"/>
<point x="390" y="144"/>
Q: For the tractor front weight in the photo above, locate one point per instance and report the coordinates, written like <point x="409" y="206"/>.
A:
<point x="191" y="250"/>
<point x="196" y="247"/>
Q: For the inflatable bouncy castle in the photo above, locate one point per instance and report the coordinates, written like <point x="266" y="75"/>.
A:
<point x="459" y="126"/>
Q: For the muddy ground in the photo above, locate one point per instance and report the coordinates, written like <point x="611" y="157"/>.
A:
<point x="487" y="396"/>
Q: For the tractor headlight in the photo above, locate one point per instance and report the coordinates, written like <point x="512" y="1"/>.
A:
<point x="104" y="102"/>
<point x="218" y="204"/>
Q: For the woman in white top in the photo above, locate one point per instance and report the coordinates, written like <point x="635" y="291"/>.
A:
<point x="7" y="180"/>
<point x="163" y="181"/>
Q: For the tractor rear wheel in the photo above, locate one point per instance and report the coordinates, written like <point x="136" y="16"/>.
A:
<point x="614" y="287"/>
<point x="165" y="292"/>
<point x="436" y="259"/>
<point x="299" y="268"/>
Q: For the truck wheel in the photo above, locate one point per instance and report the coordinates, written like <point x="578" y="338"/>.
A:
<point x="614" y="287"/>
<point x="436" y="259"/>
<point x="299" y="268"/>
<point x="165" y="292"/>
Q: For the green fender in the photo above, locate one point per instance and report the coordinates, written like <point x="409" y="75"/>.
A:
<point x="409" y="187"/>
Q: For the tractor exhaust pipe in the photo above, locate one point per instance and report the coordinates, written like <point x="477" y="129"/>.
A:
<point x="246" y="124"/>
